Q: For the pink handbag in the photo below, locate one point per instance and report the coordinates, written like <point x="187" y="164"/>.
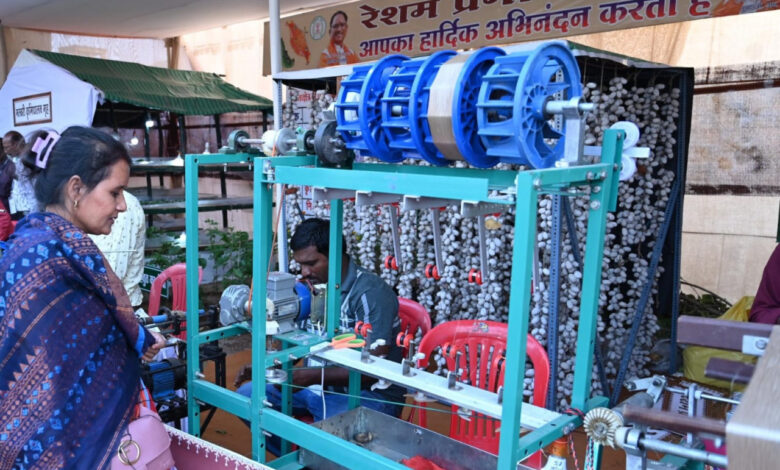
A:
<point x="145" y="446"/>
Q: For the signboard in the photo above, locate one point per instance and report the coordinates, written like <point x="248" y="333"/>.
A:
<point x="33" y="109"/>
<point x="150" y="274"/>
<point x="368" y="30"/>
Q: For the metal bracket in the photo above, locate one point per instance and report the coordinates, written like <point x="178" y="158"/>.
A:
<point x="396" y="236"/>
<point x="326" y="194"/>
<point x="573" y="112"/>
<point x="653" y="385"/>
<point x="437" y="241"/>
<point x="413" y="203"/>
<point x="365" y="354"/>
<point x="369" y="198"/>
<point x="482" y="232"/>
<point x="754" y="345"/>
<point x="633" y="152"/>
<point x="452" y="375"/>
<point x="476" y="209"/>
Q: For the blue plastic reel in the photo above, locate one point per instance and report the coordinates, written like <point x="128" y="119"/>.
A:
<point x="405" y="104"/>
<point x="464" y="106"/>
<point x="512" y="123"/>
<point x="358" y="109"/>
<point x="304" y="296"/>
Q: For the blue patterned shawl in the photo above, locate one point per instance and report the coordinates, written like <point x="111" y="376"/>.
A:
<point x="68" y="366"/>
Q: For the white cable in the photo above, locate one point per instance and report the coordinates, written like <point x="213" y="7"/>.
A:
<point x="322" y="392"/>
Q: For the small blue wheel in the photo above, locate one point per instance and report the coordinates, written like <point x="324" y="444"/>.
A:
<point x="359" y="116"/>
<point x="512" y="121"/>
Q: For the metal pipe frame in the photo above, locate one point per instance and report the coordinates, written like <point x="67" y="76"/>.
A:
<point x="446" y="183"/>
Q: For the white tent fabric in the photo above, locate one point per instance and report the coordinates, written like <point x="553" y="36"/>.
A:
<point x="73" y="101"/>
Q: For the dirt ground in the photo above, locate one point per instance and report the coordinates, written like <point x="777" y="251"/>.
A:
<point x="228" y="431"/>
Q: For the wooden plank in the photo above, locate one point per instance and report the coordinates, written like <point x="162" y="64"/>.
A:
<point x="753" y="434"/>
<point x="714" y="333"/>
<point x="674" y="421"/>
<point x="730" y="371"/>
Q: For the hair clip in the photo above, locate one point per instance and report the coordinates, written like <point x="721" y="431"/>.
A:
<point x="43" y="147"/>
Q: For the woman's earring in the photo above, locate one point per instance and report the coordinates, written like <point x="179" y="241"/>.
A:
<point x="76" y="204"/>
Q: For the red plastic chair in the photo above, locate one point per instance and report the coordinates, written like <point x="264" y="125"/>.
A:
<point x="177" y="274"/>
<point x="413" y="317"/>
<point x="483" y="345"/>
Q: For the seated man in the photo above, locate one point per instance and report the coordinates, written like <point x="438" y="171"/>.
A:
<point x="766" y="306"/>
<point x="364" y="297"/>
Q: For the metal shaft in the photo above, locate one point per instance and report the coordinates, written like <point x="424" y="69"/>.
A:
<point x="685" y="452"/>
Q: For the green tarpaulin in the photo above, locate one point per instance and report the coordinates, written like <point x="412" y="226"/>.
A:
<point x="179" y="91"/>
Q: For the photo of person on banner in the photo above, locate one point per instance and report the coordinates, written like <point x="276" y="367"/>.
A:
<point x="337" y="53"/>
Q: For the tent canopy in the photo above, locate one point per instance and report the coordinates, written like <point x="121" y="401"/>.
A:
<point x="179" y="91"/>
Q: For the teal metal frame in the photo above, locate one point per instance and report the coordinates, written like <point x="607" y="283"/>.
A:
<point x="449" y="183"/>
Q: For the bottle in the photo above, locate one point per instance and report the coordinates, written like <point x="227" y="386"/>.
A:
<point x="557" y="458"/>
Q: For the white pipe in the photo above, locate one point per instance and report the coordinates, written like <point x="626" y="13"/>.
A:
<point x="276" y="67"/>
<point x="276" y="59"/>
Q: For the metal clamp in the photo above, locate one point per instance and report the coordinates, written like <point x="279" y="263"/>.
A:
<point x="754" y="345"/>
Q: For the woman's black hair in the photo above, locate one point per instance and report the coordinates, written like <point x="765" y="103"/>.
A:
<point x="80" y="151"/>
<point x="314" y="232"/>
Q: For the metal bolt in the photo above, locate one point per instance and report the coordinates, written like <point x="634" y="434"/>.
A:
<point x="603" y="174"/>
<point x="537" y="183"/>
<point x="589" y="176"/>
<point x="596" y="189"/>
<point x="595" y="205"/>
<point x="761" y="344"/>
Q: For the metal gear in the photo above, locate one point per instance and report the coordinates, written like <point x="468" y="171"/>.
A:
<point x="600" y="425"/>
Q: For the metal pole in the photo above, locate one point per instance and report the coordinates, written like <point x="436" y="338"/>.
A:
<point x="276" y="59"/>
<point x="686" y="452"/>
<point x="158" y="123"/>
<point x="183" y="134"/>
<point x="218" y="130"/>
<point x="276" y="67"/>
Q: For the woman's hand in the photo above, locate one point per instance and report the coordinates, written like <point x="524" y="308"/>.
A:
<point x="159" y="343"/>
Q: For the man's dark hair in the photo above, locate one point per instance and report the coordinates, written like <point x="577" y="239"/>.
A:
<point x="81" y="151"/>
<point x="14" y="136"/>
<point x="314" y="232"/>
<point x="333" y="16"/>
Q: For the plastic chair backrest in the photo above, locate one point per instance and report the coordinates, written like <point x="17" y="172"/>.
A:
<point x="482" y="345"/>
<point x="413" y="317"/>
<point x="177" y="274"/>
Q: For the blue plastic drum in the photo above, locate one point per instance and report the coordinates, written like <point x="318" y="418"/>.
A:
<point x="358" y="109"/>
<point x="513" y="125"/>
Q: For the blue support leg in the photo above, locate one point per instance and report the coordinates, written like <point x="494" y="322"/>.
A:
<point x="261" y="246"/>
<point x="519" y="306"/>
